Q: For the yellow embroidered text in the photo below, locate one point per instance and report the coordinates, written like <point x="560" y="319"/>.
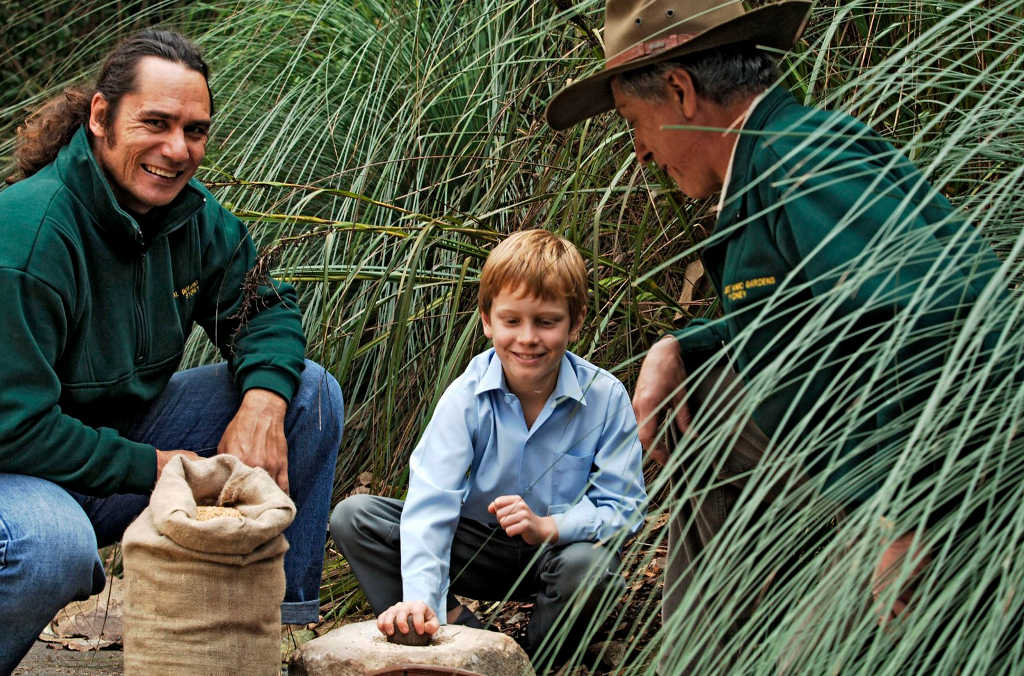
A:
<point x="187" y="291"/>
<point x="738" y="291"/>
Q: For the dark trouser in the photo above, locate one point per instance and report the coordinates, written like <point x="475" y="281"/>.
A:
<point x="485" y="564"/>
<point x="696" y="522"/>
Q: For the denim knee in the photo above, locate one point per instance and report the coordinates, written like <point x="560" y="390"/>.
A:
<point x="48" y="544"/>
<point x="320" y="394"/>
<point x="47" y="559"/>
<point x="62" y="564"/>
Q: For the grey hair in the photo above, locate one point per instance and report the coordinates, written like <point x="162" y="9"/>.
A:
<point x="719" y="75"/>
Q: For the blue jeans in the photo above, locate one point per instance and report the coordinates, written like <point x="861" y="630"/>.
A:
<point x="49" y="536"/>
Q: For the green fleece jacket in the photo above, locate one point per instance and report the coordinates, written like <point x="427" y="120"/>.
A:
<point x="98" y="308"/>
<point x="814" y="200"/>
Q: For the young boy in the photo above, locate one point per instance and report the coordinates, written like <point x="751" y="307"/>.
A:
<point x="530" y="459"/>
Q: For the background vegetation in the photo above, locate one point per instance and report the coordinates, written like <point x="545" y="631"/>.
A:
<point x="378" y="149"/>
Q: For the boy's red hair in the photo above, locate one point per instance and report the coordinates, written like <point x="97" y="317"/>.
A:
<point x="538" y="263"/>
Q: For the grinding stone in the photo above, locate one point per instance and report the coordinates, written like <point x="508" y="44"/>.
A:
<point x="359" y="649"/>
<point x="411" y="638"/>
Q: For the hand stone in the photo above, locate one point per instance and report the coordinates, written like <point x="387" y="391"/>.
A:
<point x="411" y="638"/>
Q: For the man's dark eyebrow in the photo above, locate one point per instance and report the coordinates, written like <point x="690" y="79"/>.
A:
<point x="205" y="122"/>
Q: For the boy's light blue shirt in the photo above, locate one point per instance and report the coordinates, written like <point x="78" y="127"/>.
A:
<point x="580" y="463"/>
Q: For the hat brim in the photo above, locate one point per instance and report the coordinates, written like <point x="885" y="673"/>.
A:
<point x="778" y="26"/>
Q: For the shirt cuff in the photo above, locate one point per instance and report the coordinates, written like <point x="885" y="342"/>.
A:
<point x="577" y="524"/>
<point x="416" y="590"/>
<point x="141" y="476"/>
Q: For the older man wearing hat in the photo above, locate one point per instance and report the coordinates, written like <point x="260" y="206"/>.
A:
<point x="805" y="197"/>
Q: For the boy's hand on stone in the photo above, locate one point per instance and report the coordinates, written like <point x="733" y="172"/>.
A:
<point x="424" y="620"/>
<point x="659" y="385"/>
<point x="516" y="517"/>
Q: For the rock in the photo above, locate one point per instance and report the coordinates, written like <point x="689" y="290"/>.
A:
<point x="360" y="648"/>
<point x="410" y="638"/>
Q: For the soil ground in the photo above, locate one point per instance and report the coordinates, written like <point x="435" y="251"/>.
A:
<point x="44" y="661"/>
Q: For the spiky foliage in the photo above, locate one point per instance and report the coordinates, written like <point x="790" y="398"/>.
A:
<point x="378" y="149"/>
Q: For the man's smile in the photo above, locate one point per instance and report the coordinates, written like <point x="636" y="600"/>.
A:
<point x="162" y="173"/>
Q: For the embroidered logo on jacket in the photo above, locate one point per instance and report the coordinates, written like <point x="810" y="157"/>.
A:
<point x="187" y="291"/>
<point x="738" y="291"/>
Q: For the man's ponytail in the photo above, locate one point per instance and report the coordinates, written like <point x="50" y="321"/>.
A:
<point x="48" y="129"/>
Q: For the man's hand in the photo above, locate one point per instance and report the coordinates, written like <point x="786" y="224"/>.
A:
<point x="424" y="620"/>
<point x="256" y="434"/>
<point x="888" y="569"/>
<point x="164" y="457"/>
<point x="659" y="384"/>
<point x="516" y="517"/>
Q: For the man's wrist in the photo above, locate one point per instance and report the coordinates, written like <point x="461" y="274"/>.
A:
<point x="265" y="400"/>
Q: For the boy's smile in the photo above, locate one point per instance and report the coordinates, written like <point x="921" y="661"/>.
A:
<point x="530" y="336"/>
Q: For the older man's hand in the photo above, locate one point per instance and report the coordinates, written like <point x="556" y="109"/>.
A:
<point x="256" y="434"/>
<point x="658" y="386"/>
<point x="888" y="568"/>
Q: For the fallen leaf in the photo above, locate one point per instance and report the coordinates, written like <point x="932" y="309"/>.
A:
<point x="93" y="624"/>
<point x="84" y="645"/>
<point x="518" y="617"/>
<point x="692" y="278"/>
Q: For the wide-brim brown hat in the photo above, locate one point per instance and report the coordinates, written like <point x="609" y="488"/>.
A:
<point x="638" y="33"/>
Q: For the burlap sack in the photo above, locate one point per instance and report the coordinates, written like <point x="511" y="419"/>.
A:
<point x="202" y="596"/>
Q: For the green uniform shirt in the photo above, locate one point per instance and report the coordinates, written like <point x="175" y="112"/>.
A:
<point x="97" y="310"/>
<point x="815" y="199"/>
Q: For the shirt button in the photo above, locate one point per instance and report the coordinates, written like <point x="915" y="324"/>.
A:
<point x="139" y="358"/>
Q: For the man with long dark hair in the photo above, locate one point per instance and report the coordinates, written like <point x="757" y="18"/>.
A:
<point x="109" y="252"/>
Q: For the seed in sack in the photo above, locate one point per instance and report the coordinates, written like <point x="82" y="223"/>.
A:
<point x="204" y="513"/>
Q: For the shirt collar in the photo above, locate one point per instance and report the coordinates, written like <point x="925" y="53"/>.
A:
<point x="738" y="126"/>
<point x="567" y="386"/>
<point x="738" y="181"/>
